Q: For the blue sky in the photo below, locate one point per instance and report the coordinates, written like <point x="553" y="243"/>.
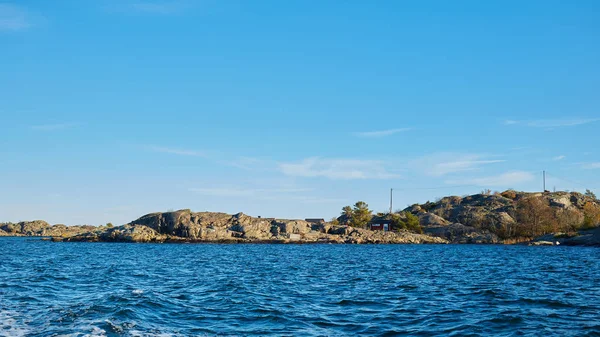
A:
<point x="113" y="109"/>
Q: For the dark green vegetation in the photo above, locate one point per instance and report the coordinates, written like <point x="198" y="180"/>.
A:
<point x="361" y="216"/>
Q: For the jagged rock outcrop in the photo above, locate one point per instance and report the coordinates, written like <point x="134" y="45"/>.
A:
<point x="221" y="226"/>
<point x="480" y="218"/>
<point x="187" y="226"/>
<point x="126" y="233"/>
<point x="41" y="228"/>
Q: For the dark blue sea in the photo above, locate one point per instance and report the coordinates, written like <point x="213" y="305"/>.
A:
<point x="111" y="289"/>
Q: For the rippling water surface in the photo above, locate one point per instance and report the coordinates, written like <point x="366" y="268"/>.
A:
<point x="98" y="289"/>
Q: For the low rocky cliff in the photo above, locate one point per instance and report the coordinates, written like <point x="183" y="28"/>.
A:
<point x="509" y="216"/>
<point x="41" y="228"/>
<point x="187" y="226"/>
<point x="566" y="218"/>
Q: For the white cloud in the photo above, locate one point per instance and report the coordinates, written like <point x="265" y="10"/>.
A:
<point x="339" y="169"/>
<point x="558" y="158"/>
<point x="508" y="179"/>
<point x="441" y="164"/>
<point x="53" y="127"/>
<point x="180" y="152"/>
<point x="591" y="166"/>
<point x="552" y="123"/>
<point x="13" y="18"/>
<point x="380" y="133"/>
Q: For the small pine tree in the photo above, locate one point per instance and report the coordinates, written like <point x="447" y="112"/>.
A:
<point x="347" y="211"/>
<point x="361" y="215"/>
<point x="590" y="194"/>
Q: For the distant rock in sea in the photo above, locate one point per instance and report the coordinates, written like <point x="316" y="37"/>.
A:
<point x="41" y="228"/>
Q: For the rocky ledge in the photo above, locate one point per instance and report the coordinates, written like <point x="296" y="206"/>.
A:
<point x="42" y="228"/>
<point x="513" y="217"/>
<point x="186" y="226"/>
<point x="510" y="217"/>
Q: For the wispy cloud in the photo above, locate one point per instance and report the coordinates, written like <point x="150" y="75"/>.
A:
<point x="338" y="169"/>
<point x="13" y="18"/>
<point x="315" y="199"/>
<point x="508" y="179"/>
<point x="381" y="133"/>
<point x="176" y="151"/>
<point x="441" y="164"/>
<point x="262" y="193"/>
<point x="249" y="163"/>
<point x="53" y="127"/>
<point x="291" y="194"/>
<point x="558" y="158"/>
<point x="163" y="7"/>
<point x="552" y="123"/>
<point x="591" y="166"/>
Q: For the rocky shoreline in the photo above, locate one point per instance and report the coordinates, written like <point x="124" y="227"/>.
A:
<point x="476" y="219"/>
<point x="184" y="226"/>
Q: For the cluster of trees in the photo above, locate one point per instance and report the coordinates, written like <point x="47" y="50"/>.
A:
<point x="360" y="216"/>
<point x="534" y="217"/>
<point x="406" y="220"/>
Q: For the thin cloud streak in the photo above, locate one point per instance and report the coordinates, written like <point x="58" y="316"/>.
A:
<point x="508" y="179"/>
<point x="13" y="18"/>
<point x="559" y="158"/>
<point x="262" y="193"/>
<point x="152" y="7"/>
<point x="179" y="152"/>
<point x="591" y="166"/>
<point x="441" y="164"/>
<point x="337" y="169"/>
<point x="381" y="133"/>
<point x="53" y="127"/>
<point x="552" y="123"/>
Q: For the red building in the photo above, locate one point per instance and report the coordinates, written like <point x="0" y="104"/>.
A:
<point x="380" y="225"/>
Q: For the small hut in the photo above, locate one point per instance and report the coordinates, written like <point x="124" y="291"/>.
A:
<point x="381" y="224"/>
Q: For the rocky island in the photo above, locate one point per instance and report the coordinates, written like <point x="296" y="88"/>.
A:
<point x="510" y="217"/>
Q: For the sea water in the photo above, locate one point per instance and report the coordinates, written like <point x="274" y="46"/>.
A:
<point x="114" y="289"/>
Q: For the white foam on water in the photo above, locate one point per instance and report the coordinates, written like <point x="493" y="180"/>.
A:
<point x="135" y="333"/>
<point x="137" y="292"/>
<point x="10" y="326"/>
<point x="96" y="332"/>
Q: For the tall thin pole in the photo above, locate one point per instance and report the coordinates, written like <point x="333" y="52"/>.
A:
<point x="544" y="181"/>
<point x="391" y="199"/>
